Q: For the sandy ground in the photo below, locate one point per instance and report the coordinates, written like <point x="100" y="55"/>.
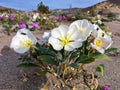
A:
<point x="10" y="76"/>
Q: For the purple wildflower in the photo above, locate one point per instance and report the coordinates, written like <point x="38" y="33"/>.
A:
<point x="11" y="16"/>
<point x="22" y="25"/>
<point x="1" y="17"/>
<point x="69" y="15"/>
<point x="63" y="17"/>
<point x="59" y="17"/>
<point x="35" y="25"/>
<point x="106" y="87"/>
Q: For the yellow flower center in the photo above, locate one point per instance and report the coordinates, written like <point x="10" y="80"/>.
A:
<point x="82" y="30"/>
<point x="26" y="43"/>
<point x="99" y="42"/>
<point x="64" y="40"/>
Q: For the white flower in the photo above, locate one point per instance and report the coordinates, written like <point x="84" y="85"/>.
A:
<point x="99" y="22"/>
<point x="45" y="37"/>
<point x="35" y="16"/>
<point x="84" y="26"/>
<point x="45" y="18"/>
<point x="61" y="38"/>
<point x="98" y="32"/>
<point x="101" y="44"/>
<point x="4" y="15"/>
<point x="22" y="41"/>
<point x="98" y="17"/>
<point x="102" y="40"/>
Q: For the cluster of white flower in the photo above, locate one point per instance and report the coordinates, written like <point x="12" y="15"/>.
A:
<point x="4" y="15"/>
<point x="38" y="16"/>
<point x="35" y="16"/>
<point x="65" y="37"/>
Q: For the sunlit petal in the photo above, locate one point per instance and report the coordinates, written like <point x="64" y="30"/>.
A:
<point x="55" y="33"/>
<point x="101" y="50"/>
<point x="45" y="37"/>
<point x="63" y="29"/>
<point x="55" y="43"/>
<point x="84" y="26"/>
<point x="76" y="44"/>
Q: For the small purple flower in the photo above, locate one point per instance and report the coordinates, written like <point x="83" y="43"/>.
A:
<point x="106" y="87"/>
<point x="63" y="17"/>
<point x="11" y="16"/>
<point x="22" y="25"/>
<point x="69" y="15"/>
<point x="1" y="17"/>
<point x="59" y="17"/>
<point x="35" y="25"/>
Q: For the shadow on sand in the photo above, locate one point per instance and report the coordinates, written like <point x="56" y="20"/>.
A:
<point x="10" y="75"/>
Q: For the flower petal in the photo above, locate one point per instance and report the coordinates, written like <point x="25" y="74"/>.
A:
<point x="89" y="29"/>
<point x="21" y="50"/>
<point x="85" y="23"/>
<point x="94" y="32"/>
<point x="22" y="41"/>
<point x="77" y="23"/>
<point x="68" y="48"/>
<point x="101" y="50"/>
<point x="26" y="32"/>
<point x="55" y="43"/>
<point x="75" y="44"/>
<point x="84" y="26"/>
<point x="108" y="42"/>
<point x="16" y="45"/>
<point x="55" y="33"/>
<point x="63" y="29"/>
<point x="74" y="34"/>
<point x="45" y="37"/>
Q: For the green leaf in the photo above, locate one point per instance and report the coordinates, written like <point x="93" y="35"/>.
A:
<point x="59" y="56"/>
<point x="47" y="59"/>
<point x="27" y="65"/>
<point x="100" y="68"/>
<point x="110" y="50"/>
<point x="74" y="65"/>
<point x="101" y="56"/>
<point x="5" y="26"/>
<point x="85" y="59"/>
<point x="74" y="55"/>
<point x="85" y="44"/>
<point x="44" y="50"/>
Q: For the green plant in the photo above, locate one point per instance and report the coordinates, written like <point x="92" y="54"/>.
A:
<point x="111" y="15"/>
<point x="42" y="8"/>
<point x="64" y="51"/>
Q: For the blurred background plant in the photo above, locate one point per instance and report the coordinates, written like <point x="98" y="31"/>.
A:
<point x="41" y="8"/>
<point x="111" y="16"/>
<point x="46" y="21"/>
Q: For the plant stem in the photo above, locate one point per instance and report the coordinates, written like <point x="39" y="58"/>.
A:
<point x="81" y="68"/>
<point x="64" y="71"/>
